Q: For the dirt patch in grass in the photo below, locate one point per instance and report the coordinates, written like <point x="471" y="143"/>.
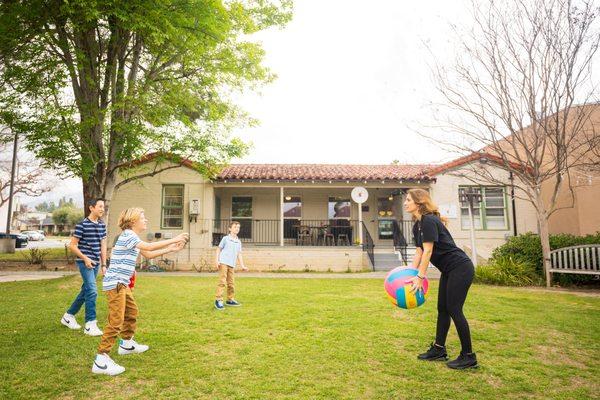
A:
<point x="493" y="381"/>
<point x="579" y="382"/>
<point x="555" y="355"/>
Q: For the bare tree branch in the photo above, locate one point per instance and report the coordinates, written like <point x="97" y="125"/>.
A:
<point x="514" y="91"/>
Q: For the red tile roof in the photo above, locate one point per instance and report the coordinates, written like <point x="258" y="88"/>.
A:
<point x="438" y="169"/>
<point x="334" y="172"/>
<point x="324" y="172"/>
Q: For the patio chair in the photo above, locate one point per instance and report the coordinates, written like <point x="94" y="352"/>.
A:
<point x="304" y="236"/>
<point x="343" y="240"/>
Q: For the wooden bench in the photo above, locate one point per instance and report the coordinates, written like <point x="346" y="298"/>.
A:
<point x="583" y="259"/>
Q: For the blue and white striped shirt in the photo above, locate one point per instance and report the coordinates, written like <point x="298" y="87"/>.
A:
<point x="122" y="260"/>
<point x="90" y="234"/>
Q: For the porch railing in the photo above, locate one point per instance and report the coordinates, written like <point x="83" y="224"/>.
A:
<point x="368" y="245"/>
<point x="403" y="237"/>
<point x="298" y="232"/>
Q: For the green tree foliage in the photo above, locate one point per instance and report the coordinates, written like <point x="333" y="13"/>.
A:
<point x="60" y="216"/>
<point x="46" y="206"/>
<point x="95" y="85"/>
<point x="67" y="215"/>
<point x="63" y="202"/>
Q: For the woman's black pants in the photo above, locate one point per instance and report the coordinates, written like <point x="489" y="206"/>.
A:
<point x="454" y="286"/>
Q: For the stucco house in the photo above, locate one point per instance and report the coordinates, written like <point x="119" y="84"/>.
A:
<point x="302" y="217"/>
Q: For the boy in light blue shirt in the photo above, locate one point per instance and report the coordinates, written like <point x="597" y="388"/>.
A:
<point x="228" y="252"/>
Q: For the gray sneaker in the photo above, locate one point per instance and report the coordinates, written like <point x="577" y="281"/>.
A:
<point x="219" y="305"/>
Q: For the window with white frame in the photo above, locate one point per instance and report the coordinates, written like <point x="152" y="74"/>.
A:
<point x="172" y="207"/>
<point x="491" y="213"/>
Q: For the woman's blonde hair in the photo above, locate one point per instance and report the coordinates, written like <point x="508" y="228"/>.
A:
<point x="426" y="206"/>
<point x="129" y="217"/>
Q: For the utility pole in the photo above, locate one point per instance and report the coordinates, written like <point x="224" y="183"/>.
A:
<point x="471" y="196"/>
<point x="12" y="184"/>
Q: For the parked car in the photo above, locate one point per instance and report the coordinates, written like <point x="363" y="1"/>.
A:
<point x="20" y="240"/>
<point x="34" y="235"/>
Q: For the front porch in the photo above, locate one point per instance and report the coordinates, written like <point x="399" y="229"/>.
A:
<point x="311" y="216"/>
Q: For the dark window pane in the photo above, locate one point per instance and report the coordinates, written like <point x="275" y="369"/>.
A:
<point x="241" y="207"/>
<point x="292" y="207"/>
<point x="245" y="229"/>
<point x="290" y="228"/>
<point x="173" y="222"/>
<point x="386" y="229"/>
<point x="339" y="208"/>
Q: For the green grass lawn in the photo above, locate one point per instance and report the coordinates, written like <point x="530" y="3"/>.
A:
<point x="300" y="339"/>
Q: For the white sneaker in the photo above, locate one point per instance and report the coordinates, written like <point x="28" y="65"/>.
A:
<point x="131" y="347"/>
<point x="69" y="321"/>
<point x="91" y="328"/>
<point x="103" y="364"/>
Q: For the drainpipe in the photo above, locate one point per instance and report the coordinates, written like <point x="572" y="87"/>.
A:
<point x="512" y="197"/>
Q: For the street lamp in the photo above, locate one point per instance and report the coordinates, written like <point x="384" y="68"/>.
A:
<point x="471" y="196"/>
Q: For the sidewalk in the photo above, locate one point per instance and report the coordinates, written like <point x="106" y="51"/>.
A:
<point x="11" y="276"/>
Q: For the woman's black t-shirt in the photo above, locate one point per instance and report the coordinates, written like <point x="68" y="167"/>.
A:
<point x="446" y="255"/>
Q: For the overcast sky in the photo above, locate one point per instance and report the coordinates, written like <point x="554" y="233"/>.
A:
<point x="353" y="84"/>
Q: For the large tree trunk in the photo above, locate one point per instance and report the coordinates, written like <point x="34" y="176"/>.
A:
<point x="91" y="190"/>
<point x="544" y="237"/>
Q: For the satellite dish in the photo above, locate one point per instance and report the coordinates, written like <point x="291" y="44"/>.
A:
<point x="359" y="194"/>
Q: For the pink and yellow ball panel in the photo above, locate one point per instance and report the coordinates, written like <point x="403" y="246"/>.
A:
<point x="398" y="290"/>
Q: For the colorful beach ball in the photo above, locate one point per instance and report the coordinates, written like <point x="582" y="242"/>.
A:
<point x="398" y="290"/>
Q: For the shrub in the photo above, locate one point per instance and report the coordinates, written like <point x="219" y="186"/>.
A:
<point x="528" y="248"/>
<point x="36" y="256"/>
<point x="508" y="271"/>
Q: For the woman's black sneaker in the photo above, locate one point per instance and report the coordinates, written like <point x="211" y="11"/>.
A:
<point x="464" y="361"/>
<point x="434" y="353"/>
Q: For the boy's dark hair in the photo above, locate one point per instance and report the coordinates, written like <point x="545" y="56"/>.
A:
<point x="232" y="223"/>
<point x="93" y="202"/>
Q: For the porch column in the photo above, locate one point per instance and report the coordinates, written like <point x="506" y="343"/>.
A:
<point x="360" y="224"/>
<point x="281" y="216"/>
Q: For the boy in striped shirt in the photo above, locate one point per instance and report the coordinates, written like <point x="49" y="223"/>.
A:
<point x="122" y="309"/>
<point x="89" y="245"/>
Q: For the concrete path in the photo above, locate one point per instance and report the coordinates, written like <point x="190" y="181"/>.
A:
<point x="13" y="276"/>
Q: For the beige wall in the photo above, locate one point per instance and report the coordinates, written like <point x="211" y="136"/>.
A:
<point x="200" y="255"/>
<point x="147" y="193"/>
<point x="445" y="191"/>
<point x="579" y="215"/>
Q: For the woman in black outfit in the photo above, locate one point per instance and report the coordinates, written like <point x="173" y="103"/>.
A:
<point x="434" y="243"/>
